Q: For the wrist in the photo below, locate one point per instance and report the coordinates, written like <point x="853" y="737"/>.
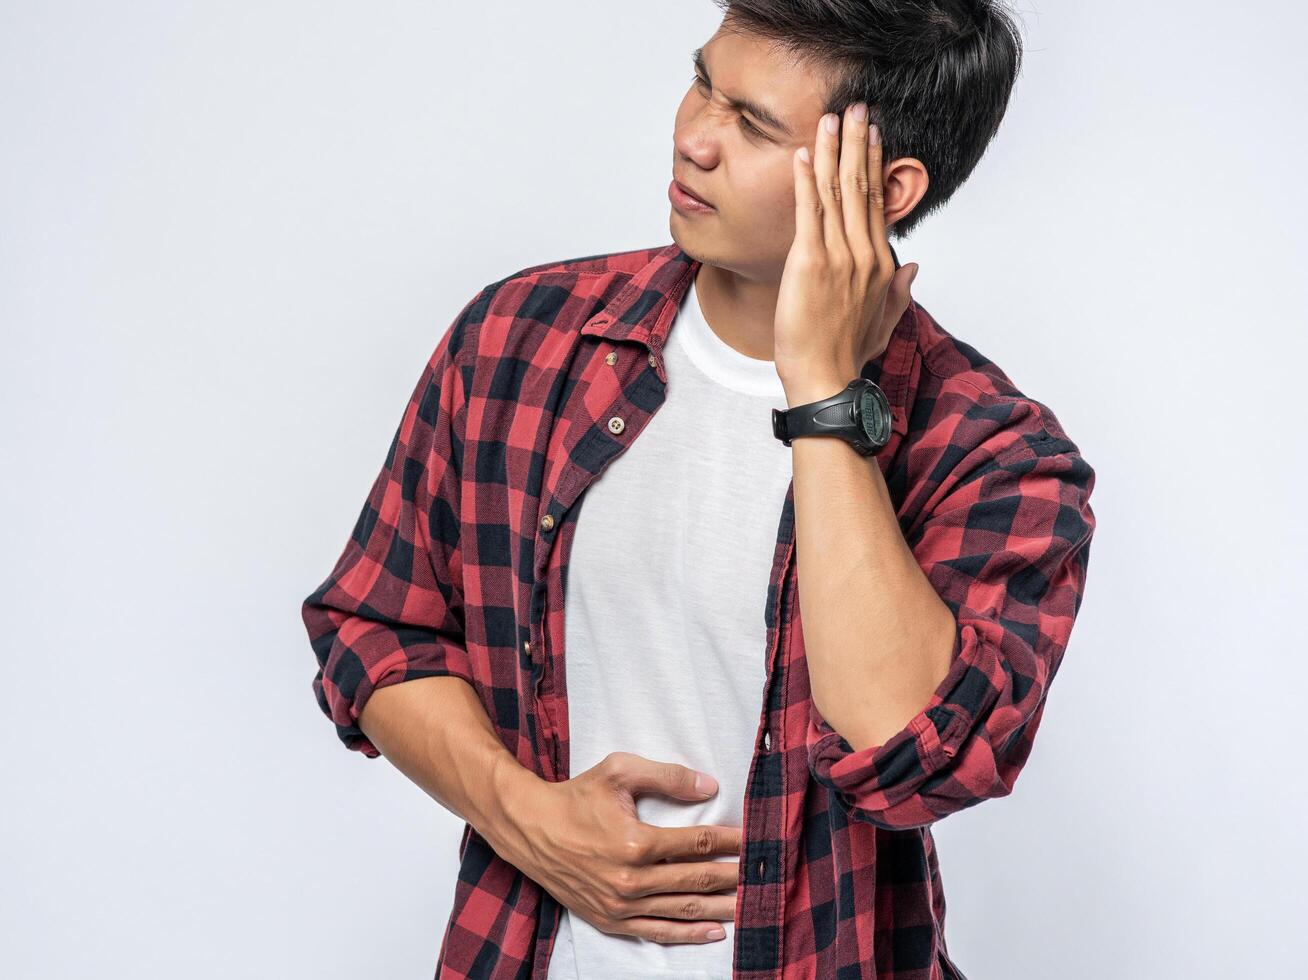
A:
<point x="814" y="386"/>
<point x="514" y="789"/>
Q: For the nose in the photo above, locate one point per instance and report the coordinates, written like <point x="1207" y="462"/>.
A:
<point x="694" y="142"/>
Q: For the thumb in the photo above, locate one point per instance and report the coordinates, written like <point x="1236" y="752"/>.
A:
<point x="896" y="304"/>
<point x="641" y="775"/>
<point x="903" y="282"/>
<point x="898" y="295"/>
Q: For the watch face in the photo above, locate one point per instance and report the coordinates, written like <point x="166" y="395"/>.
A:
<point x="874" y="414"/>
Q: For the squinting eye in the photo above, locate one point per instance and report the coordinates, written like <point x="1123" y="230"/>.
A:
<point x="745" y="123"/>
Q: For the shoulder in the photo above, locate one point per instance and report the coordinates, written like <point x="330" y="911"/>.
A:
<point x="974" y="438"/>
<point x="624" y="263"/>
<point x="964" y="395"/>
<point x="513" y="315"/>
<point x="540" y="291"/>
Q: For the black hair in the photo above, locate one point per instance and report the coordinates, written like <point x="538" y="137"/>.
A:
<point x="935" y="74"/>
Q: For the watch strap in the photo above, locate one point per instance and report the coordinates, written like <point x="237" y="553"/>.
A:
<point x="827" y="416"/>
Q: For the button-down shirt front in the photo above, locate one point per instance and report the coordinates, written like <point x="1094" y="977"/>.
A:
<point x="457" y="563"/>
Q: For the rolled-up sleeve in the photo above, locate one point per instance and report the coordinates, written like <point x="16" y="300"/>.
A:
<point x="1007" y="550"/>
<point x="391" y="609"/>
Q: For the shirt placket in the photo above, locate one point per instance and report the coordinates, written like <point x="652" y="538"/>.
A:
<point x="602" y="436"/>
<point x="760" y="892"/>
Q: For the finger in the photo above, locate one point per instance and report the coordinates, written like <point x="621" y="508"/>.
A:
<point x="826" y="173"/>
<point x="876" y="200"/>
<point x="693" y="906"/>
<point x="665" y="930"/>
<point x="900" y="293"/>
<point x="641" y="775"/>
<point x="685" y="876"/>
<point x="808" y="217"/>
<point x="898" y="298"/>
<point x="854" y="184"/>
<point x="698" y="841"/>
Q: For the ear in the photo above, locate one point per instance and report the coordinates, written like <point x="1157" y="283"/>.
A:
<point x="904" y="182"/>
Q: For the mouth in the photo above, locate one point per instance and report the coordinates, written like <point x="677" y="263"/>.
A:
<point x="685" y="199"/>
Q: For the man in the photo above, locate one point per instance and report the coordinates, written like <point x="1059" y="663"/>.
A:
<point x="829" y="564"/>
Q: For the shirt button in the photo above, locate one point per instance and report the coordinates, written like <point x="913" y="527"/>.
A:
<point x="611" y="358"/>
<point x="767" y="740"/>
<point x="653" y="361"/>
<point x="762" y="867"/>
<point x="526" y="646"/>
<point x="616" y="424"/>
<point x="547" y="522"/>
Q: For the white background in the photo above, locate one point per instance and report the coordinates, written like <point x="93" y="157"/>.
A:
<point x="231" y="234"/>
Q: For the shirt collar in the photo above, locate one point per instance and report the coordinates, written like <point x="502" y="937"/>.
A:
<point x="643" y="310"/>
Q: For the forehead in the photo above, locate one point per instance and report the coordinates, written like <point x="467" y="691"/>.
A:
<point x="746" y="66"/>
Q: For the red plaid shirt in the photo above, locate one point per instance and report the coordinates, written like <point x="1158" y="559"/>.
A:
<point x="457" y="566"/>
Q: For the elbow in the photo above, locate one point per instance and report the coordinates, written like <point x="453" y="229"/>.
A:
<point x="909" y="792"/>
<point x="358" y="655"/>
<point x="967" y="746"/>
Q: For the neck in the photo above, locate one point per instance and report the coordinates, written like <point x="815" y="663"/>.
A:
<point x="739" y="310"/>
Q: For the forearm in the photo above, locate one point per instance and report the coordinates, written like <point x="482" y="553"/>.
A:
<point x="877" y="636"/>
<point x="437" y="733"/>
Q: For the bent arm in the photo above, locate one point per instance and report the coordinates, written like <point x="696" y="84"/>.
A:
<point x="1007" y="550"/>
<point x="436" y="731"/>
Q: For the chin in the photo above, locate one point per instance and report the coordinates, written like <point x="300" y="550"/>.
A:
<point x="687" y="243"/>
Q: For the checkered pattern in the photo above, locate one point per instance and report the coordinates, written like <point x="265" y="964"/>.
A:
<point x="457" y="564"/>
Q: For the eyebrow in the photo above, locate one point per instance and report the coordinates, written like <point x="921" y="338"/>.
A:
<point x="761" y="112"/>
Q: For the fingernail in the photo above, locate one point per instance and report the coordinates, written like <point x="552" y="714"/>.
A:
<point x="873" y="136"/>
<point x="703" y="784"/>
<point x="716" y="933"/>
<point x="832" y="122"/>
<point x="860" y="111"/>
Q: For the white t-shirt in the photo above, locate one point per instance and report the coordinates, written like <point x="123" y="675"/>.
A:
<point x="664" y="607"/>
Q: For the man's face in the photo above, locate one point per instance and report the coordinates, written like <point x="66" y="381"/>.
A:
<point x="739" y="160"/>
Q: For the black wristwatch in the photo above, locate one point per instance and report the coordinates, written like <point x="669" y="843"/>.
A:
<point x="859" y="413"/>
